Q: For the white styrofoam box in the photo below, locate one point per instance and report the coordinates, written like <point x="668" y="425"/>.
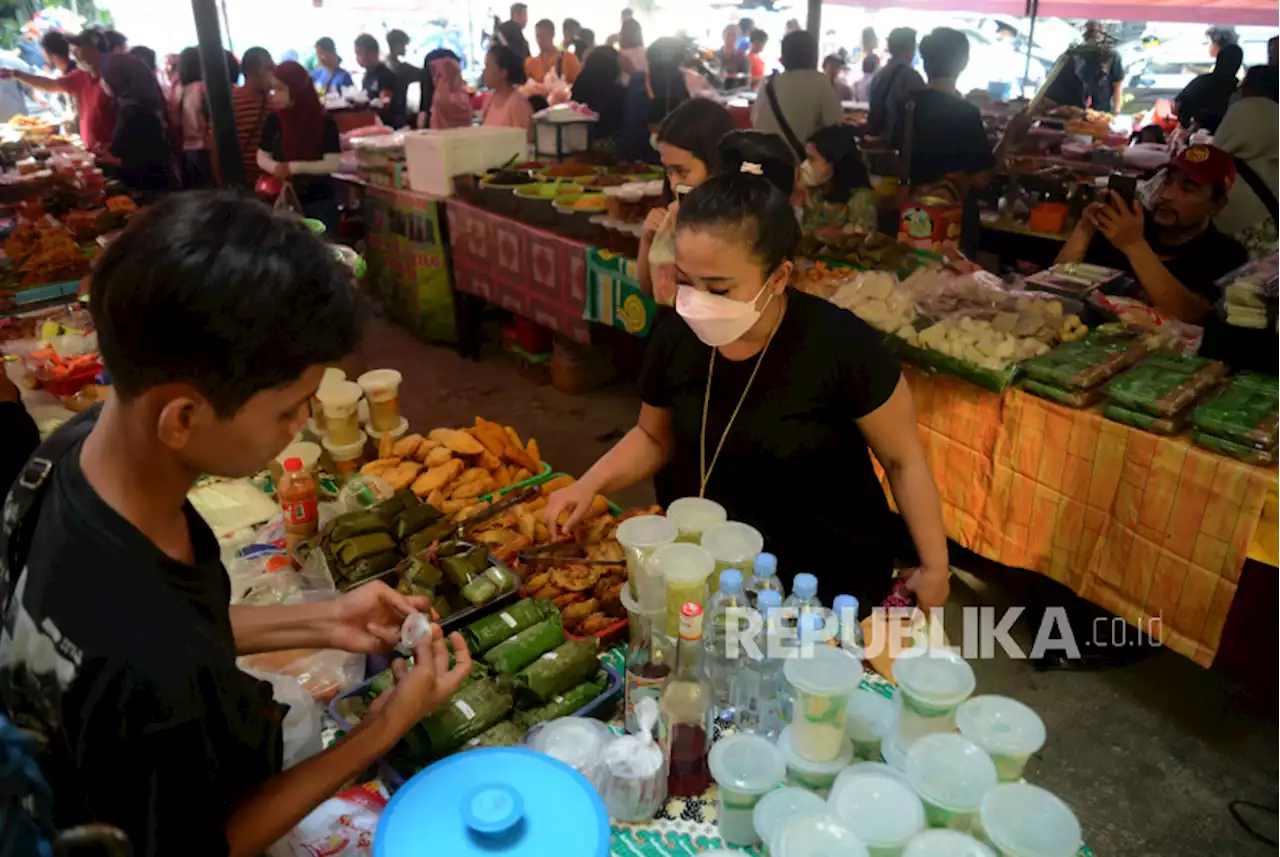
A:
<point x="435" y="157"/>
<point x="573" y="137"/>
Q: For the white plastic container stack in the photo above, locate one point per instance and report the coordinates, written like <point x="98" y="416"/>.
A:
<point x="931" y="685"/>
<point x="952" y="775"/>
<point x="435" y="157"/>
<point x="1008" y="730"/>
<point x="880" y="809"/>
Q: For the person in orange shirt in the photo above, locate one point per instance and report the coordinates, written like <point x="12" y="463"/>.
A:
<point x="549" y="57"/>
<point x="759" y="38"/>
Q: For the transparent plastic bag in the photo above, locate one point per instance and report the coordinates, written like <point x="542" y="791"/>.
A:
<point x="302" y="724"/>
<point x="635" y="780"/>
<point x="321" y="673"/>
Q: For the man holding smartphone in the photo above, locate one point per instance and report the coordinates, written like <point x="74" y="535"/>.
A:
<point x="1172" y="249"/>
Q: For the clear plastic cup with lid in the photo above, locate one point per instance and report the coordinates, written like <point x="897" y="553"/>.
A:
<point x="822" y="678"/>
<point x="816" y="836"/>
<point x="893" y="753"/>
<point x="1023" y="820"/>
<point x="684" y="569"/>
<point x="870" y="717"/>
<point x="579" y="742"/>
<point x="640" y="537"/>
<point x="779" y="806"/>
<point x="346" y="457"/>
<point x="818" y="777"/>
<point x="952" y="775"/>
<point x="1009" y="731"/>
<point x="879" y="808"/>
<point x="332" y="375"/>
<point x="382" y="388"/>
<point x="732" y="545"/>
<point x="932" y="682"/>
<point x="745" y="768"/>
<point x="693" y="516"/>
<point x="945" y="843"/>
<point x="341" y="403"/>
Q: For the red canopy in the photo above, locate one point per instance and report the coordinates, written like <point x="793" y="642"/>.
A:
<point x="1227" y="12"/>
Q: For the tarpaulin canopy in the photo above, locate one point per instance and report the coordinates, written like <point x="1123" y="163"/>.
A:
<point x="1231" y="12"/>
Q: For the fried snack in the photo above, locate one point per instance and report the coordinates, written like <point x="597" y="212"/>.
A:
<point x="573" y="614"/>
<point x="437" y="477"/>
<point x="576" y="578"/>
<point x="521" y="475"/>
<point x="438" y="456"/>
<point x="489" y="461"/>
<point x="516" y="455"/>
<point x="407" y="447"/>
<point x="512" y="437"/>
<point x="471" y="474"/>
<point x="425" y="447"/>
<point x="459" y="441"/>
<point x="599" y="506"/>
<point x="502" y="475"/>
<point x="548" y="592"/>
<point x="553" y="485"/>
<point x="380" y="466"/>
<point x="491" y="435"/>
<point x="401" y="477"/>
<point x="537" y="581"/>
<point x="532" y="450"/>
<point x="473" y="488"/>
<point x="567" y="601"/>
<point x="385" y="445"/>
<point x="594" y="624"/>
<point x="435" y="498"/>
<point x="472" y="510"/>
<point x="453" y="507"/>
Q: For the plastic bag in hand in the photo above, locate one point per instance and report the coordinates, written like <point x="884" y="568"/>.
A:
<point x="302" y="724"/>
<point x="635" y="781"/>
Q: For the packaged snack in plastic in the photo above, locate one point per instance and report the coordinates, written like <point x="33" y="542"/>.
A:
<point x="1235" y="450"/>
<point x="1070" y="398"/>
<point x="1244" y="411"/>
<point x="1148" y="422"/>
<point x="342" y="826"/>
<point x="1166" y="383"/>
<point x="1087" y="363"/>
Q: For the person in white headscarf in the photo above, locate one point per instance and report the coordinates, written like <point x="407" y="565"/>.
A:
<point x="1249" y="133"/>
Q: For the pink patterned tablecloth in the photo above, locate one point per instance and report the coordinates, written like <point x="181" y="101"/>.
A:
<point x="530" y="271"/>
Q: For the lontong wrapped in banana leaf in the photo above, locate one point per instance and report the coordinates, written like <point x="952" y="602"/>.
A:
<point x="419" y="577"/>
<point x="385" y="680"/>
<point x="369" y="567"/>
<point x="357" y="548"/>
<point x="466" y="714"/>
<point x="502" y="734"/>
<point x="462" y="568"/>
<point x="563" y="705"/>
<point x="414" y="519"/>
<point x="494" y="580"/>
<point x="570" y="664"/>
<point x="354" y="524"/>
<point x="392" y="507"/>
<point x="483" y="634"/>
<point x="516" y="653"/>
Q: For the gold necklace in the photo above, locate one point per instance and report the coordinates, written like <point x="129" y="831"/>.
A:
<point x="704" y="470"/>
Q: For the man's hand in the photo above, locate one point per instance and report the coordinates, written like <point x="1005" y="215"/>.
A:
<point x="368" y="619"/>
<point x="931" y="586"/>
<point x="420" y="689"/>
<point x="1122" y="223"/>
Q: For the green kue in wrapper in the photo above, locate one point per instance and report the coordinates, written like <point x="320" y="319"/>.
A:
<point x="513" y="655"/>
<point x="555" y="672"/>
<point x="483" y="634"/>
<point x="563" y="705"/>
<point x="466" y="714"/>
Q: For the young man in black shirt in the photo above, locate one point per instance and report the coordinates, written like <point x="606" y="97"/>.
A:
<point x="1173" y="251"/>
<point x="117" y="647"/>
<point x="406" y="73"/>
<point x="379" y="81"/>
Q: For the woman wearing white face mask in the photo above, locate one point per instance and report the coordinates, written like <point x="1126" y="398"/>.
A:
<point x="837" y="187"/>
<point x="765" y="399"/>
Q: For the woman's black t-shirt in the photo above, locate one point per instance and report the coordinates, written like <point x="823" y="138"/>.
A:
<point x="141" y="144"/>
<point x="794" y="465"/>
<point x="309" y="188"/>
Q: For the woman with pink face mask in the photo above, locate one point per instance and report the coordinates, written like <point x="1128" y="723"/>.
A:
<point x="766" y="399"/>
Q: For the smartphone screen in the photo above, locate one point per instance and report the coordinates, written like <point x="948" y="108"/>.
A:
<point x="1125" y="186"/>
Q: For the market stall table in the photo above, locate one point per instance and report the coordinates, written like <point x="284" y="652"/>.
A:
<point x="1151" y="528"/>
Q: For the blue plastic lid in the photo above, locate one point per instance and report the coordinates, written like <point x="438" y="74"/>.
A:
<point x="488" y="802"/>
<point x="731" y="581"/>
<point x="766" y="565"/>
<point x="811" y="625"/>
<point x="805" y="586"/>
<point x="843" y="603"/>
<point x="769" y="598"/>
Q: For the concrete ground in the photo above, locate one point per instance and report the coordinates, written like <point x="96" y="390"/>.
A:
<point x="1149" y="755"/>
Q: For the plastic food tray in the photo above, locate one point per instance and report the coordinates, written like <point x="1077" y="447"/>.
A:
<point x="38" y="294"/>
<point x="597" y="708"/>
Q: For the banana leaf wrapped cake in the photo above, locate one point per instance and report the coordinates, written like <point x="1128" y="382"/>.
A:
<point x="483" y="634"/>
<point x="534" y="642"/>
<point x="563" y="705"/>
<point x="567" y="665"/>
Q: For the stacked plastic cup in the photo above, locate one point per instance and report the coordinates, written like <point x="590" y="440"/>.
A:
<point x="822" y="683"/>
<point x="880" y="809"/>
<point x="869" y="719"/>
<point x="1022" y="820"/>
<point x="814" y="835"/>
<point x="945" y="843"/>
<point x="818" y="777"/>
<point x="640" y="537"/>
<point x="780" y="806"/>
<point x="745" y="768"/>
<point x="952" y="775"/>
<point x="931" y="685"/>
<point x="1009" y="731"/>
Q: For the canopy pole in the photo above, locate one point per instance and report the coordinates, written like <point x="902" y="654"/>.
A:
<point x="218" y="87"/>
<point x="814" y="22"/>
<point x="1033" y="9"/>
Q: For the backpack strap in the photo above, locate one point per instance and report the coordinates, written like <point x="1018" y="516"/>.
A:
<point x="26" y="495"/>
<point x="792" y="140"/>
<point x="1255" y="183"/>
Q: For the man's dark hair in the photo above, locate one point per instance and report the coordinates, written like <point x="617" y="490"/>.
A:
<point x="570" y="24"/>
<point x="745" y="26"/>
<point x="145" y="54"/>
<point x="759" y="37"/>
<point x="799" y="51"/>
<point x="116" y="39"/>
<point x="517" y="8"/>
<point x="56" y="44"/>
<point x="217" y="291"/>
<point x="628" y="13"/>
<point x="366" y="43"/>
<point x="547" y="25"/>
<point x="945" y="53"/>
<point x="254" y="60"/>
<point x="509" y="61"/>
<point x="325" y="43"/>
<point x="1260" y="81"/>
<point x="233" y="67"/>
<point x="902" y="42"/>
<point x="397" y="39"/>
<point x="189" y="68"/>
<point x="630" y="35"/>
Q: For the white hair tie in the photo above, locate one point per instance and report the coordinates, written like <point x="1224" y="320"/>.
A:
<point x="753" y="169"/>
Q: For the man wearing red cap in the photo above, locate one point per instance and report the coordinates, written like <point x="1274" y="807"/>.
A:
<point x="1173" y="249"/>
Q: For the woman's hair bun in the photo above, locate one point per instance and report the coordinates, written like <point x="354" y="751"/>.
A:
<point x="758" y="153"/>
